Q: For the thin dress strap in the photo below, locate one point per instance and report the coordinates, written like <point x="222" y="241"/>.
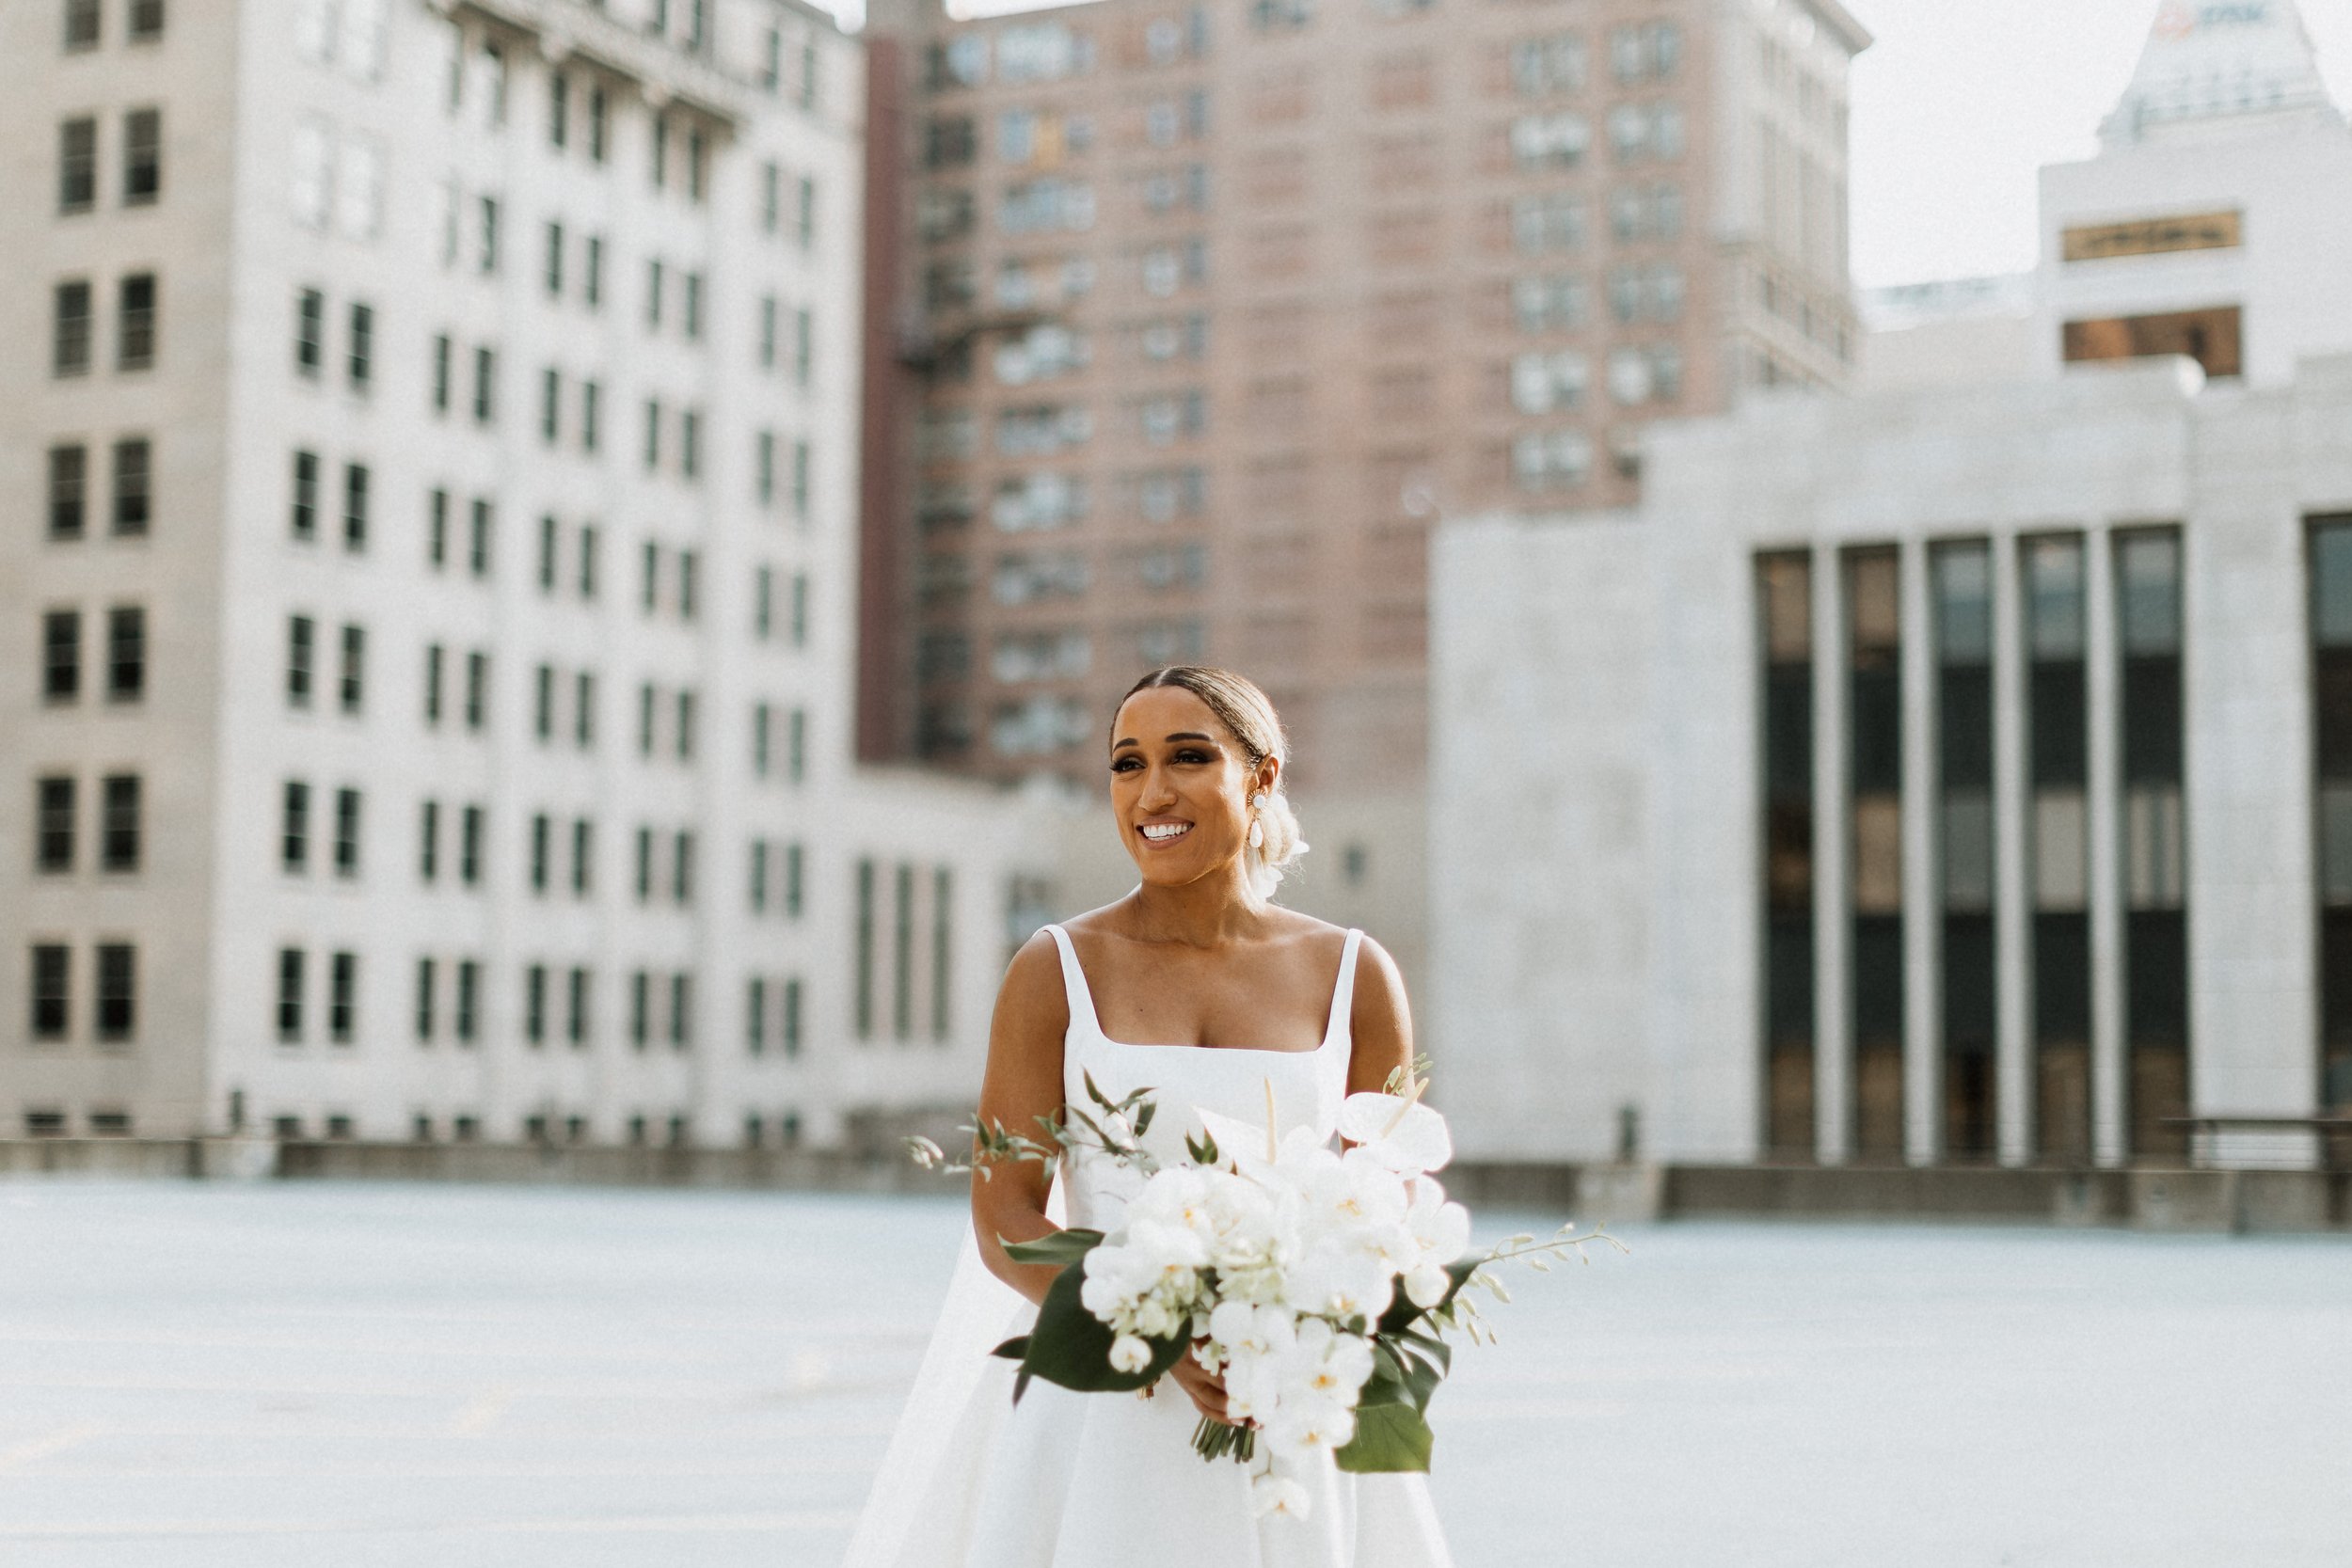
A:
<point x="1344" y="991"/>
<point x="1074" y="983"/>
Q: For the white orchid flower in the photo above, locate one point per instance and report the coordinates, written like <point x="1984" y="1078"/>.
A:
<point x="1399" y="1131"/>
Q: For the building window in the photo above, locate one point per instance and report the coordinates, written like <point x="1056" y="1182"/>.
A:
<point x="596" y="121"/>
<point x="584" y="709"/>
<point x="583" y="856"/>
<point x="644" y="864"/>
<point x="77" y="165"/>
<point x="68" y="489"/>
<point x="361" y="363"/>
<point x="486" y="365"/>
<point x="61" y="655"/>
<point x="433" y="661"/>
<point x="795" y="745"/>
<point x="290" y="995"/>
<point x="575" y="989"/>
<point x="343" y="1002"/>
<point x="347" y="833"/>
<point x="469" y="1000"/>
<point x="301" y="654"/>
<point x="590" y="400"/>
<point x="147" y="20"/>
<point x="681" y="1011"/>
<point x="589" y="540"/>
<point x="428" y="975"/>
<point x="477" y="690"/>
<point x="294" y="833"/>
<point x="553" y="274"/>
<point x="1960" y="591"/>
<point x="142" y="157"/>
<point x="550" y="404"/>
<point x="81" y="22"/>
<point x="791" y="1018"/>
<point x="133" y="486"/>
<point x="640" y="1009"/>
<point x="53" y="825"/>
<point x="115" y="1018"/>
<point x="2147" y="564"/>
<point x="429" y="842"/>
<point x="542" y="845"/>
<point x="535" y="1004"/>
<point x="51" y="991"/>
<point x="304" y="518"/>
<point x="682" y="868"/>
<point x="685" y="735"/>
<point x="793" y="858"/>
<point x="71" y="329"/>
<point x="469" y="835"/>
<point x="862" y="976"/>
<point x="1874" y="746"/>
<point x="559" y="109"/>
<point x="2057" y="844"/>
<point x="756" y="1016"/>
<point x="354" y="507"/>
<point x="134" y="322"/>
<point x="482" y="522"/>
<point x="2214" y="338"/>
<point x="126" y="654"/>
<point x="119" y="837"/>
<point x="1785" y="600"/>
<point x="350" y="684"/>
<point x="591" y="269"/>
<point x="762" y="717"/>
<point x="942" y="951"/>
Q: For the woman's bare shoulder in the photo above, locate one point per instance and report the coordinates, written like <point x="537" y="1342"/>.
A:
<point x="1032" y="984"/>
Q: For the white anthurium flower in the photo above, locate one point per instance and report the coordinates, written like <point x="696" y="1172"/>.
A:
<point x="1442" y="1229"/>
<point x="1403" y="1134"/>
<point x="1270" y="1495"/>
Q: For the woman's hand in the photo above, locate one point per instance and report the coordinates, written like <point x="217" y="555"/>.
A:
<point x="1205" y="1389"/>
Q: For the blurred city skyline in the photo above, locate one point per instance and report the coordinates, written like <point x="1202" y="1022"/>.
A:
<point x="1955" y="108"/>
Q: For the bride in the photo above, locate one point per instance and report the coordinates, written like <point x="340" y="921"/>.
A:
<point x="1197" y="987"/>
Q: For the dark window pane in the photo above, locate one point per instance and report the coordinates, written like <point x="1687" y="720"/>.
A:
<point x="133" y="486"/>
<point x="77" y="165"/>
<point x="1965" y="721"/>
<point x="51" y="997"/>
<point x="126" y="654"/>
<point x="119" y="846"/>
<point x="68" y="489"/>
<point x="142" y="156"/>
<point x="61" y="655"/>
<point x="134" y="326"/>
<point x="70" y="338"/>
<point x="53" y="824"/>
<point x="117" y="991"/>
<point x="2060" y="734"/>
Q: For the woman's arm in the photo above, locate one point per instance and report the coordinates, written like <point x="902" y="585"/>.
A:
<point x="1024" y="1082"/>
<point x="1379" y="1019"/>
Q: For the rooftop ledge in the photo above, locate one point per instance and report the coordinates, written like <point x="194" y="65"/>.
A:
<point x="567" y="30"/>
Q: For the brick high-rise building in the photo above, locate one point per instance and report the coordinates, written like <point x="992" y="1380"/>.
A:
<point x="1204" y="313"/>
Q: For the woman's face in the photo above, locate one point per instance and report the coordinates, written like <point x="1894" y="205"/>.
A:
<point x="1181" y="786"/>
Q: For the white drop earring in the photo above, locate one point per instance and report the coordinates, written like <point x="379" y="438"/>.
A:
<point x="1257" y="827"/>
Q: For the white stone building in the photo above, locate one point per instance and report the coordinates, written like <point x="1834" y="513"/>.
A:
<point x="433" y="435"/>
<point x="1947" y="774"/>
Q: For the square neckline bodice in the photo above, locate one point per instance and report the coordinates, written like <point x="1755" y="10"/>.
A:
<point x="1081" y="1000"/>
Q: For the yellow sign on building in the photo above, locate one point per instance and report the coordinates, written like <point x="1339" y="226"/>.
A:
<point x="2151" y="236"/>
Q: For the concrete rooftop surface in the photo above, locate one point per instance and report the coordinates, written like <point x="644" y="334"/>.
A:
<point x="196" y="1376"/>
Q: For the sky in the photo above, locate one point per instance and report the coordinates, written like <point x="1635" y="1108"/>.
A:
<point x="1959" y="101"/>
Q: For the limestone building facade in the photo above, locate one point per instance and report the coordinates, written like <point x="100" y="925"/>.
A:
<point x="431" y="575"/>
<point x="1948" y="774"/>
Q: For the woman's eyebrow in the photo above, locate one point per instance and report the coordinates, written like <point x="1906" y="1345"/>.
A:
<point x="1190" y="735"/>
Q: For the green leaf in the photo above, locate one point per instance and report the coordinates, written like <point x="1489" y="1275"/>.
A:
<point x="1071" y="1347"/>
<point x="1389" y="1438"/>
<point x="1014" y="1349"/>
<point x="1203" y="1150"/>
<point x="1144" y="1113"/>
<point x="1060" y="1248"/>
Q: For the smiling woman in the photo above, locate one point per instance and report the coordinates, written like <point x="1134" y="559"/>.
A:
<point x="1200" y="991"/>
<point x="1271" y="841"/>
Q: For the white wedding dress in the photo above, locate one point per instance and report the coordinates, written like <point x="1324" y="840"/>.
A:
<point x="1111" y="1481"/>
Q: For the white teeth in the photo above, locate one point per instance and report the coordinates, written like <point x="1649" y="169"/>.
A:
<point x="1160" y="832"/>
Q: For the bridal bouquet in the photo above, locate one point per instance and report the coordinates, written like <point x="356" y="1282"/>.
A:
<point x="1319" y="1282"/>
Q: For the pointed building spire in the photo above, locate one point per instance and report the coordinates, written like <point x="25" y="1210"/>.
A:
<point x="2217" y="65"/>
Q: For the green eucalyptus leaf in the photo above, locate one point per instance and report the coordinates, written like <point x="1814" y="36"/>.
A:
<point x="1390" y="1439"/>
<point x="1060" y="1248"/>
